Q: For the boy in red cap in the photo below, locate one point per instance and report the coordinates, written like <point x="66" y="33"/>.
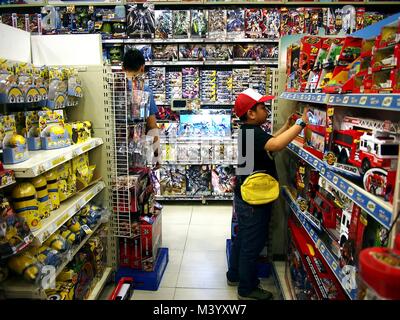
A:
<point x="253" y="220"/>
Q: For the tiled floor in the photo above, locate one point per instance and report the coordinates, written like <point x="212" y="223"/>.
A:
<point x="196" y="237"/>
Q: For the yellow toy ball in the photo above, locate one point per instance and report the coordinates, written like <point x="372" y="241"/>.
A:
<point x="15" y="140"/>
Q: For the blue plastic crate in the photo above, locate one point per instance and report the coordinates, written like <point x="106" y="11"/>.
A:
<point x="263" y="268"/>
<point x="146" y="280"/>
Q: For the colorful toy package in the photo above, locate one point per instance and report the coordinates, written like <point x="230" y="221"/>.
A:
<point x="217" y="23"/>
<point x="190" y="83"/>
<point x="218" y="52"/>
<point x="235" y="24"/>
<point x="181" y="23"/>
<point x="163" y="24"/>
<point x="191" y="52"/>
<point x="173" y="180"/>
<point x="222" y="179"/>
<point x="141" y="21"/>
<point x="52" y="130"/>
<point x="199" y="23"/>
<point x="198" y="180"/>
<point x="254" y="25"/>
<point x="165" y="52"/>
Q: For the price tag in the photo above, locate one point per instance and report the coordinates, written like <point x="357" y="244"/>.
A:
<point x="62" y="220"/>
<point x="86" y="228"/>
<point x="86" y="148"/>
<point x="89" y="197"/>
<point x="58" y="160"/>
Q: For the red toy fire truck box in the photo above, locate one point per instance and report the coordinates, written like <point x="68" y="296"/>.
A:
<point x="309" y="47"/>
<point x="324" y="209"/>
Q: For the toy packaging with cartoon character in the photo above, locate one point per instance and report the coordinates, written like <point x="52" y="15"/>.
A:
<point x="198" y="180"/>
<point x="218" y="52"/>
<point x="217" y="23"/>
<point x="222" y="179"/>
<point x="174" y="85"/>
<point x="157" y="83"/>
<point x="181" y="23"/>
<point x="52" y="130"/>
<point x="254" y="25"/>
<point x="272" y="23"/>
<point x="235" y="24"/>
<point x="173" y="180"/>
<point x="163" y="24"/>
<point x="191" y="52"/>
<point x="198" y="23"/>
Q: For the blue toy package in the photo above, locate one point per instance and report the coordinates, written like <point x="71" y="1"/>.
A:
<point x="205" y="123"/>
<point x="163" y="24"/>
<point x="199" y="23"/>
<point x="235" y="24"/>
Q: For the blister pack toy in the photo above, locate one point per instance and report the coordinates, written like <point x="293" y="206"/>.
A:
<point x="217" y="23"/>
<point x="198" y="180"/>
<point x="198" y="23"/>
<point x="52" y="130"/>
<point x="181" y="23"/>
<point x="163" y="24"/>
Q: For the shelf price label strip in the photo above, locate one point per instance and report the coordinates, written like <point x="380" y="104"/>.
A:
<point x="373" y="101"/>
<point x="380" y="212"/>
<point x="327" y="255"/>
<point x="43" y="234"/>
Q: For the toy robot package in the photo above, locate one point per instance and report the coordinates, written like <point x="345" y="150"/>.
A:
<point x="240" y="81"/>
<point x="140" y="22"/>
<point x="222" y="180"/>
<point x="224" y="86"/>
<point x="163" y="24"/>
<point x="174" y="85"/>
<point x="173" y="180"/>
<point x="145" y="49"/>
<point x="235" y="24"/>
<point x="246" y="52"/>
<point x="157" y="83"/>
<point x="190" y="83"/>
<point x="168" y="152"/>
<point x="198" y="180"/>
<point x="313" y="20"/>
<point x="272" y="23"/>
<point x="191" y="52"/>
<point x="167" y="52"/>
<point x="168" y="129"/>
<point x="258" y="76"/>
<point x="218" y="52"/>
<point x="181" y="23"/>
<point x="253" y="22"/>
<point x="217" y="23"/>
<point x="199" y="23"/>
<point x="208" y="85"/>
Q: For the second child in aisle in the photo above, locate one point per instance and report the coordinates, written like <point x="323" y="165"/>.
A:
<point x="134" y="65"/>
<point x="254" y="148"/>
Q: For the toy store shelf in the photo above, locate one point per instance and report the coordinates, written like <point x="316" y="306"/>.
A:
<point x="372" y="101"/>
<point x="85" y="3"/>
<point x="328" y="256"/>
<point x="9" y="183"/>
<point x="375" y="207"/>
<point x="100" y="284"/>
<point x="188" y="40"/>
<point x="305" y="97"/>
<point x="44" y="160"/>
<point x="66" y="211"/>
<point x="242" y="62"/>
<point x="164" y="140"/>
<point x="174" y="63"/>
<point x="23" y="5"/>
<point x="16" y="288"/>
<point x="193" y="198"/>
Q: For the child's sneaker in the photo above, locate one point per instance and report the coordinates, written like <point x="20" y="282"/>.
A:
<point x="257" y="294"/>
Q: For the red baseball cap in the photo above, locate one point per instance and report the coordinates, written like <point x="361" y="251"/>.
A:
<point x="248" y="99"/>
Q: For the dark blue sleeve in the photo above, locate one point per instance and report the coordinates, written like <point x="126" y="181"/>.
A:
<point x="153" y="106"/>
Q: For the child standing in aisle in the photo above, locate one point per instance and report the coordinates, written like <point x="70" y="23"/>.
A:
<point x="254" y="147"/>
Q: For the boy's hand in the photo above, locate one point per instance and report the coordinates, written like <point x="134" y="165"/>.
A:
<point x="304" y="117"/>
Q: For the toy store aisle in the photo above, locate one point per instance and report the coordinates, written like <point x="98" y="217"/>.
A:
<point x="196" y="237"/>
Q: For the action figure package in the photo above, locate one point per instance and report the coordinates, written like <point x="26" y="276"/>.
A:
<point x="222" y="180"/>
<point x="190" y="83"/>
<point x="268" y="51"/>
<point x="313" y="20"/>
<point x="157" y="83"/>
<point x="218" y="52"/>
<point x="198" y="180"/>
<point x="240" y="81"/>
<point x="254" y="24"/>
<point x="140" y="21"/>
<point x="168" y="129"/>
<point x="235" y="24"/>
<point x="174" y="85"/>
<point x="198" y="23"/>
<point x="145" y="49"/>
<point x="224" y="86"/>
<point x="181" y="23"/>
<point x="257" y="80"/>
<point x="163" y="24"/>
<point x="193" y="153"/>
<point x="246" y="52"/>
<point x="173" y="180"/>
<point x="163" y="52"/>
<point x="217" y="23"/>
<point x="208" y="85"/>
<point x="372" y="17"/>
<point x="168" y="152"/>
<point x="194" y="52"/>
<point x="272" y="23"/>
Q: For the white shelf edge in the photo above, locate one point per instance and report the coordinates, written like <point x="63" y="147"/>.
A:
<point x="377" y="204"/>
<point x="318" y="243"/>
<point x="96" y="291"/>
<point x="66" y="211"/>
<point x="44" y="160"/>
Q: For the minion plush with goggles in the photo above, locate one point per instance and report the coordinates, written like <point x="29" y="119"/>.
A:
<point x="26" y="204"/>
<point x="52" y="189"/>
<point x="26" y="265"/>
<point x="57" y="242"/>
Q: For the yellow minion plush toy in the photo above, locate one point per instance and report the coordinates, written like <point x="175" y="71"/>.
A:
<point x="68" y="235"/>
<point x="26" y="204"/>
<point x="57" y="242"/>
<point x="42" y="194"/>
<point x="26" y="265"/>
<point x="52" y="189"/>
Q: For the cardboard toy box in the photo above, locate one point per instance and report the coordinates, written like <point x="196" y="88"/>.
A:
<point x="151" y="240"/>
